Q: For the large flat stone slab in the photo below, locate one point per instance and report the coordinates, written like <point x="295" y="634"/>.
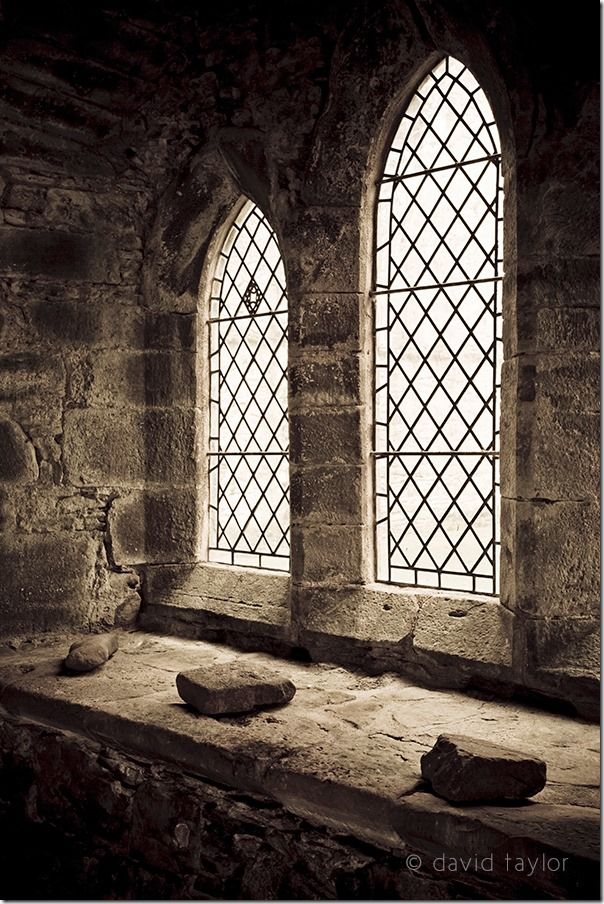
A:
<point x="463" y="769"/>
<point x="218" y="690"/>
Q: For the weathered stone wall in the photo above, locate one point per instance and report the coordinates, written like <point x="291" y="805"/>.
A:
<point x="129" y="138"/>
<point x="81" y="820"/>
<point x="95" y="823"/>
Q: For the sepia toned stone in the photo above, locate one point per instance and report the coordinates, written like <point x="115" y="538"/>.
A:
<point x="464" y="770"/>
<point x="90" y="653"/>
<point x="129" y="144"/>
<point x="233" y="688"/>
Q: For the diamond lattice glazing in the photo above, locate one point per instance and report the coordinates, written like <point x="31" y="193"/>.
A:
<point x="248" y="451"/>
<point x="438" y="340"/>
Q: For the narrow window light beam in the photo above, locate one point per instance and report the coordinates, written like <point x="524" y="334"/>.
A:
<point x="438" y="340"/>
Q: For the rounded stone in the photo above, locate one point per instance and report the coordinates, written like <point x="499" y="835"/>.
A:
<point x="90" y="653"/>
<point x="17" y="455"/>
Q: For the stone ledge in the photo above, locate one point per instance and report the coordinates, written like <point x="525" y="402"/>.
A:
<point x="442" y="638"/>
<point x="245" y="594"/>
<point x="344" y="753"/>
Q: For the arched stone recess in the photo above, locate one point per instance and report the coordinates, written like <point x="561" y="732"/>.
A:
<point x="380" y="61"/>
<point x="540" y="632"/>
<point x="167" y="526"/>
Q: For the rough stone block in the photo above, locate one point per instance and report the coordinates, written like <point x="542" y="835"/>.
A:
<point x="242" y="593"/>
<point x="464" y="770"/>
<point x="154" y="527"/>
<point x="322" y="250"/>
<point x="570" y="382"/>
<point x="156" y="446"/>
<point x="17" y="455"/>
<point x="326" y="494"/>
<point x="547" y="289"/>
<point x="558" y="217"/>
<point x="363" y="613"/>
<point x="566" y="440"/>
<point x="328" y="553"/>
<point x="567" y="328"/>
<point x="95" y="211"/>
<point x="61" y="255"/>
<point x="552" y="558"/>
<point x="91" y="652"/>
<point x="47" y="581"/>
<point x="476" y="631"/>
<point x="566" y="464"/>
<point x="110" y="325"/>
<point x="315" y="382"/>
<point x="153" y="379"/>
<point x="326" y="320"/>
<point x="550" y="427"/>
<point x="233" y="688"/>
<point x="30" y="373"/>
<point x="326" y="438"/>
<point x="569" y="645"/>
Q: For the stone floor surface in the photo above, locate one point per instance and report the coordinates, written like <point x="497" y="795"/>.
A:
<point x="344" y="752"/>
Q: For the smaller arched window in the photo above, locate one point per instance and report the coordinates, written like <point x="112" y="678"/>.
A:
<point x="438" y="348"/>
<point x="248" y="436"/>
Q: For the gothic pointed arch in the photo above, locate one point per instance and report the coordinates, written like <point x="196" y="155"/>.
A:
<point x="438" y="339"/>
<point x="248" y="446"/>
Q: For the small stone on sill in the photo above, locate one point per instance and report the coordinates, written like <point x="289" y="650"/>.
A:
<point x="468" y="770"/>
<point x="90" y="653"/>
<point x="233" y="688"/>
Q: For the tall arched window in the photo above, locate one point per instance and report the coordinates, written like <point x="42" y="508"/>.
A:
<point x="248" y="437"/>
<point x="438" y="348"/>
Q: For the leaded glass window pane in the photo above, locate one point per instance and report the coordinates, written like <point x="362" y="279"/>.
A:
<point x="438" y="346"/>
<point x="248" y="453"/>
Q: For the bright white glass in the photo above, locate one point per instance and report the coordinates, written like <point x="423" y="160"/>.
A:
<point x="438" y="345"/>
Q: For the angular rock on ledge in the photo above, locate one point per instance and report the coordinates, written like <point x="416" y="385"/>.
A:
<point x="233" y="688"/>
<point x="466" y="770"/>
<point x="90" y="653"/>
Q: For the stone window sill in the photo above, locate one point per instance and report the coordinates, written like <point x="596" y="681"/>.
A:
<point x="233" y="594"/>
<point x="343" y="754"/>
<point x="474" y="628"/>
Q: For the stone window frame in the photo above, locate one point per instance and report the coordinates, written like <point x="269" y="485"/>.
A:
<point x="327" y="246"/>
<point x="381" y="613"/>
<point x="193" y="218"/>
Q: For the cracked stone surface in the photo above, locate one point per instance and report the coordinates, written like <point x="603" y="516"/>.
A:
<point x="345" y="752"/>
